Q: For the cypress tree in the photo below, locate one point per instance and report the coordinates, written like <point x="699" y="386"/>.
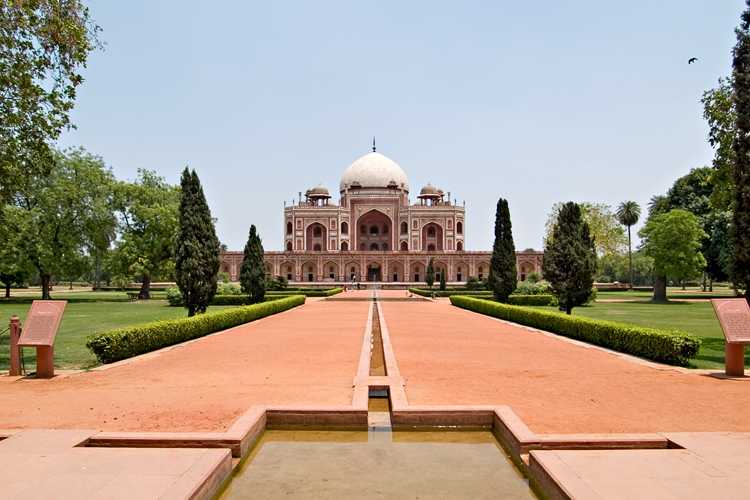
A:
<point x="252" y="272"/>
<point x="503" y="277"/>
<point x="197" y="247"/>
<point x="741" y="170"/>
<point x="442" y="281"/>
<point x="570" y="258"/>
<point x="430" y="273"/>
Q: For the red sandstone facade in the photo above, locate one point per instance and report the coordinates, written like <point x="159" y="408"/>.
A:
<point x="375" y="234"/>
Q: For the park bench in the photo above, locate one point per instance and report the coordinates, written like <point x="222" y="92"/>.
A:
<point x="734" y="317"/>
<point x="133" y="296"/>
<point x="39" y="331"/>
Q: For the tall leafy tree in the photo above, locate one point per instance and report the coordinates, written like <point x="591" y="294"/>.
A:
<point x="741" y="145"/>
<point x="603" y="226"/>
<point x="430" y="273"/>
<point x="148" y="223"/>
<point x="570" y="258"/>
<point x="14" y="267"/>
<point x="721" y="116"/>
<point x="628" y="213"/>
<point x="55" y="215"/>
<point x="673" y="240"/>
<point x="503" y="274"/>
<point x="253" y="272"/>
<point x="44" y="45"/>
<point x="197" y="247"/>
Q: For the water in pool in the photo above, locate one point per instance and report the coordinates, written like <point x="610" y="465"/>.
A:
<point x="369" y="465"/>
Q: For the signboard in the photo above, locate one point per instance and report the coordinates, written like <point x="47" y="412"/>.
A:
<point x="42" y="323"/>
<point x="734" y="316"/>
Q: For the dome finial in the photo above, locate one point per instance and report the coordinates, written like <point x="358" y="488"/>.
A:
<point x="373" y="143"/>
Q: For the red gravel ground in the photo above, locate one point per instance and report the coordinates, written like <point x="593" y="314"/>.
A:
<point x="450" y="356"/>
<point x="305" y="356"/>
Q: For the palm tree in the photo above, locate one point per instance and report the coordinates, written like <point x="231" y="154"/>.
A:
<point x="628" y="214"/>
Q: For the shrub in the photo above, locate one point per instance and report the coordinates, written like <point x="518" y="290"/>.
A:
<point x="533" y="288"/>
<point x="123" y="343"/>
<point x="174" y="297"/>
<point x="473" y="283"/>
<point x="277" y="283"/>
<point x="228" y="289"/>
<point x="667" y="346"/>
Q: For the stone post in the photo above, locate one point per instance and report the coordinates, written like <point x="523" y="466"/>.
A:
<point x="15" y="351"/>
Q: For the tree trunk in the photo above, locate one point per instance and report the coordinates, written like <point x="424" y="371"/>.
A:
<point x="191" y="310"/>
<point x="7" y="290"/>
<point x="145" y="292"/>
<point x="630" y="258"/>
<point x="97" y="271"/>
<point x="660" y="289"/>
<point x="703" y="285"/>
<point x="45" y="286"/>
<point x="710" y="284"/>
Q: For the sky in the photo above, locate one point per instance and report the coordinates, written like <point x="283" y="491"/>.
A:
<point x="535" y="102"/>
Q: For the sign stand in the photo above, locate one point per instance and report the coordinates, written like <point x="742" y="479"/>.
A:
<point x="38" y="331"/>
<point x="734" y="317"/>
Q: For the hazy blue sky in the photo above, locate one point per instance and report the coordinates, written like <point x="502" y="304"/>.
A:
<point x="536" y="102"/>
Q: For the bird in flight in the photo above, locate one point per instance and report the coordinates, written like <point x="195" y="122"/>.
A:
<point x="692" y="60"/>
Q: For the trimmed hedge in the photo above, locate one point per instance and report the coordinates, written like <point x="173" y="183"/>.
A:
<point x="531" y="300"/>
<point x="123" y="343"/>
<point x="310" y="292"/>
<point x="515" y="299"/>
<point x="448" y="293"/>
<point x="667" y="346"/>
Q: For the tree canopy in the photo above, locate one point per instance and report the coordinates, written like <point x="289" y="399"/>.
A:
<point x="605" y="229"/>
<point x="148" y="213"/>
<point x="253" y="271"/>
<point x="58" y="216"/>
<point x="503" y="274"/>
<point x="44" y="45"/>
<point x="673" y="240"/>
<point x="197" y="247"/>
<point x="741" y="146"/>
<point x="570" y="258"/>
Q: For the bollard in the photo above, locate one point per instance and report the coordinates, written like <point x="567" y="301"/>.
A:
<point x="15" y="351"/>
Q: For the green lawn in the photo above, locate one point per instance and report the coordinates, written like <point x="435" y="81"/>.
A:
<point x="84" y="319"/>
<point x="672" y="292"/>
<point x="696" y="318"/>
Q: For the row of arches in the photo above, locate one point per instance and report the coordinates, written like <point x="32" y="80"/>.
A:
<point x="374" y="271"/>
<point x="374" y="234"/>
<point x="319" y="246"/>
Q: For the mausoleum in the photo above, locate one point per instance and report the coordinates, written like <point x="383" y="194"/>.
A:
<point x="375" y="233"/>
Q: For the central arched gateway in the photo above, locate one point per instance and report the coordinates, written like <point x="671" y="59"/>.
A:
<point x="374" y="271"/>
<point x="374" y="232"/>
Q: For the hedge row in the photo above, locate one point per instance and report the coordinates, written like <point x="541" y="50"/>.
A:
<point x="531" y="300"/>
<point x="243" y="300"/>
<point x="123" y="343"/>
<point x="666" y="346"/>
<point x="448" y="293"/>
<point x="515" y="299"/>
<point x="310" y="292"/>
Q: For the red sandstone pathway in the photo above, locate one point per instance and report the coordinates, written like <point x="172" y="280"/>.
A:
<point x="305" y="356"/>
<point x="450" y="356"/>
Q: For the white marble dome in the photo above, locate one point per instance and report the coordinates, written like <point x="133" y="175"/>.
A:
<point x="374" y="170"/>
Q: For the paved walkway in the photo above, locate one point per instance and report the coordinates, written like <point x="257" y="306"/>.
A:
<point x="305" y="356"/>
<point x="450" y="356"/>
